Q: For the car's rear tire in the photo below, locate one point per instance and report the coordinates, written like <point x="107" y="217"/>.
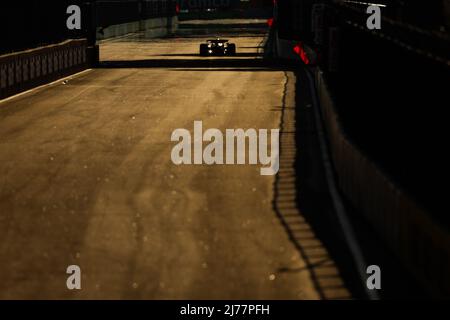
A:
<point x="203" y="49"/>
<point x="232" y="49"/>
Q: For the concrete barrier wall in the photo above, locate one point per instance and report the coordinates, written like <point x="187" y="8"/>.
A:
<point x="24" y="70"/>
<point x="152" y="28"/>
<point x="27" y="69"/>
<point x="420" y="243"/>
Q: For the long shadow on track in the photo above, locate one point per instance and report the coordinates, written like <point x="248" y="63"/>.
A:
<point x="189" y="63"/>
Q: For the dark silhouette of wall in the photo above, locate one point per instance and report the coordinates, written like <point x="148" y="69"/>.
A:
<point x="25" y="25"/>
<point x="34" y="23"/>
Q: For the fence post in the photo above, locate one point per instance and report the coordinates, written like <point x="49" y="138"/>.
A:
<point x="90" y="29"/>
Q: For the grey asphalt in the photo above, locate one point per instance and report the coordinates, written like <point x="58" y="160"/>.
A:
<point x="87" y="179"/>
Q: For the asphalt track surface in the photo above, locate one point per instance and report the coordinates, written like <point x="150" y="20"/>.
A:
<point x="87" y="179"/>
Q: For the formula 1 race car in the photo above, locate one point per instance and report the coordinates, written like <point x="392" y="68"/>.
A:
<point x="217" y="47"/>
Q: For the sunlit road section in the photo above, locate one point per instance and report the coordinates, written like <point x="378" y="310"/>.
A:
<point x="87" y="179"/>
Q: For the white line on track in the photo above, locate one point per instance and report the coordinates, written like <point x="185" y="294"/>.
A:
<point x="36" y="89"/>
